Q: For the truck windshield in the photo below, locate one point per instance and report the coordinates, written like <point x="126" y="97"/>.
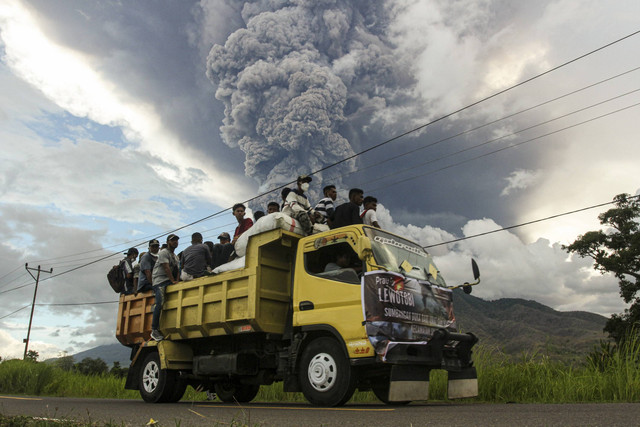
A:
<point x="392" y="251"/>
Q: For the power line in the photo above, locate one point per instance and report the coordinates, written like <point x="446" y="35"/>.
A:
<point x="384" y="142"/>
<point x="523" y="224"/>
<point x="14" y="312"/>
<point x="470" y="130"/>
<point x="504" y="148"/>
<point x="503" y="136"/>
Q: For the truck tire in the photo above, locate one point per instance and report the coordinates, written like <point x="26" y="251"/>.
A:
<point x="326" y="378"/>
<point x="157" y="385"/>
<point x="231" y="392"/>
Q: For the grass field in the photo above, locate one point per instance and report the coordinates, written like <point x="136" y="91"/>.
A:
<point x="532" y="378"/>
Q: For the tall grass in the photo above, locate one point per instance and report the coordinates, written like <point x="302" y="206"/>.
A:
<point x="531" y="378"/>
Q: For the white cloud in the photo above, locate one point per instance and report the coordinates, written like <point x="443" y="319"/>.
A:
<point x="519" y="179"/>
<point x="70" y="80"/>
<point x="510" y="268"/>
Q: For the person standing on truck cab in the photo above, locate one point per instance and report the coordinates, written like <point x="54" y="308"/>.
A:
<point x="243" y="223"/>
<point x="147" y="262"/>
<point x="132" y="254"/>
<point x="165" y="272"/>
<point x="325" y="206"/>
<point x="297" y="205"/>
<point x="369" y="215"/>
<point x="349" y="213"/>
<point x="195" y="259"/>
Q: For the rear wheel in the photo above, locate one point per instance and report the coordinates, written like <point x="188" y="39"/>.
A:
<point x="230" y="391"/>
<point x="158" y="385"/>
<point x="326" y="379"/>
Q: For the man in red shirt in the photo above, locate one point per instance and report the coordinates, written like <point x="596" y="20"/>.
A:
<point x="243" y="223"/>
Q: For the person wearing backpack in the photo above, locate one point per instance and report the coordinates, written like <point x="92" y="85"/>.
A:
<point x="165" y="272"/>
<point x="132" y="254"/>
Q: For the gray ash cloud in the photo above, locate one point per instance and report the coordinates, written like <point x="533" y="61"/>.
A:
<point x="302" y="82"/>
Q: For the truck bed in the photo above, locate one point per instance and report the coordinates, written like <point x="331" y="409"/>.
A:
<point x="254" y="298"/>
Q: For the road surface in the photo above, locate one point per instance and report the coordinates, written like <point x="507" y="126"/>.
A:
<point x="138" y="413"/>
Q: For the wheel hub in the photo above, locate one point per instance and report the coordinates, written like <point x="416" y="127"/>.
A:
<point x="150" y="377"/>
<point x="322" y="372"/>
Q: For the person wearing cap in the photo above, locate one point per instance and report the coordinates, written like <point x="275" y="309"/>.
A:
<point x="147" y="262"/>
<point x="165" y="272"/>
<point x="131" y="256"/>
<point x="297" y="205"/>
<point x="222" y="251"/>
<point x="195" y="259"/>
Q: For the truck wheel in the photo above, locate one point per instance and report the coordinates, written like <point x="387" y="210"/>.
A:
<point x="326" y="379"/>
<point x="382" y="393"/>
<point x="231" y="392"/>
<point x="177" y="392"/>
<point x="156" y="385"/>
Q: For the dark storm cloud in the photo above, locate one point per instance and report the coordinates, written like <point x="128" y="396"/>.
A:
<point x="152" y="50"/>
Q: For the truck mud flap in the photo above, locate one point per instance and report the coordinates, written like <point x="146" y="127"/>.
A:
<point x="463" y="384"/>
<point x="408" y="383"/>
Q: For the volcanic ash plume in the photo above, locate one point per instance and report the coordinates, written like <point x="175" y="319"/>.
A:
<point x="298" y="79"/>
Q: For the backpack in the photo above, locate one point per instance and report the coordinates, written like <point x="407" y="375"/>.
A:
<point x="116" y="277"/>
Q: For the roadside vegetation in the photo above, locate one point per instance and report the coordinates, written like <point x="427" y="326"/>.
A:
<point x="611" y="373"/>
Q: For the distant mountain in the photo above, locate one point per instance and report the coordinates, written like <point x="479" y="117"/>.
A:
<point x="518" y="326"/>
<point x="512" y="325"/>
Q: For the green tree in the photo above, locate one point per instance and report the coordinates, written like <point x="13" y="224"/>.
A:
<point x="32" y="356"/>
<point x="617" y="250"/>
<point x="118" y="371"/>
<point x="89" y="366"/>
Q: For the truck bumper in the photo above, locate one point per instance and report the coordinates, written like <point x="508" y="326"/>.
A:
<point x="412" y="362"/>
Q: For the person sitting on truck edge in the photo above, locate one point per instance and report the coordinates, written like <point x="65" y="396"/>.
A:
<point x="243" y="223"/>
<point x="325" y="206"/>
<point x="349" y="213"/>
<point x="195" y="259"/>
<point x="132" y="254"/>
<point x="273" y="207"/>
<point x="297" y="205"/>
<point x="165" y="272"/>
<point x="147" y="262"/>
<point x="136" y="273"/>
<point x="369" y="216"/>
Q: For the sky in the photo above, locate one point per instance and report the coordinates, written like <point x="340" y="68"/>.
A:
<point x="122" y="121"/>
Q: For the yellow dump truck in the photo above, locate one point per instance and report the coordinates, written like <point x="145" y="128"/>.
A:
<point x="354" y="307"/>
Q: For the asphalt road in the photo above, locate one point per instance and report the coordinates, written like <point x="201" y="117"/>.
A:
<point x="138" y="413"/>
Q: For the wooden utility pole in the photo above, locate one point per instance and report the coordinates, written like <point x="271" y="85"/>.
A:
<point x="33" y="304"/>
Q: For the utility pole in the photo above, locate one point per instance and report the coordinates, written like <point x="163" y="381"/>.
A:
<point x="33" y="304"/>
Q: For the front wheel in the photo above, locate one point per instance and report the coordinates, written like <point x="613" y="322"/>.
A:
<point x="326" y="378"/>
<point x="158" y="385"/>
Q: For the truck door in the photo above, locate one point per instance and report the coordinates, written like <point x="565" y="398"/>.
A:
<point x="327" y="285"/>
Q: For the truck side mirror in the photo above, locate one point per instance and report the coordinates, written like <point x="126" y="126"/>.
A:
<point x="476" y="270"/>
<point x="363" y="247"/>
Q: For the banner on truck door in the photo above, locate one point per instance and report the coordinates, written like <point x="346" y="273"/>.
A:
<point x="397" y="308"/>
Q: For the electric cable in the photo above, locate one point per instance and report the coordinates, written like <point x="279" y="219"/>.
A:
<point x="523" y="224"/>
<point x="441" y="118"/>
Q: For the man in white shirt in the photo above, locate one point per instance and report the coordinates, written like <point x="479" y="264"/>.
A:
<point x="369" y="214"/>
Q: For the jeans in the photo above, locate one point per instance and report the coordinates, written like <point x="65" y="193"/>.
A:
<point x="160" y="291"/>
